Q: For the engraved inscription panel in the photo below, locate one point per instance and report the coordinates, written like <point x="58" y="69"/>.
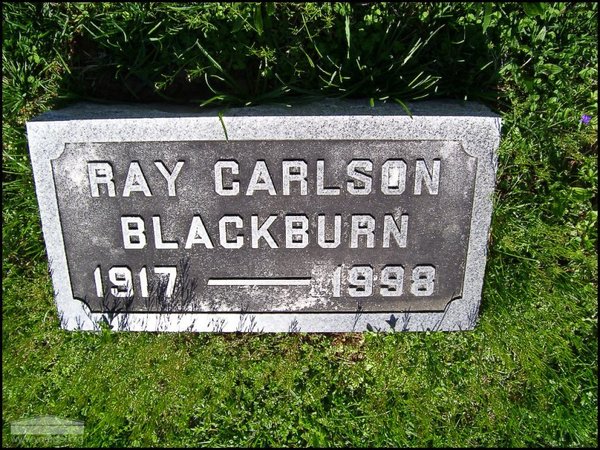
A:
<point x="266" y="226"/>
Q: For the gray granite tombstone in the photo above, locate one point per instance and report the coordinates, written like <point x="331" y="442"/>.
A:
<point x="326" y="217"/>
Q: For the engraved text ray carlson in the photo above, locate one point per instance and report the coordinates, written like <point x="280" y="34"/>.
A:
<point x="328" y="217"/>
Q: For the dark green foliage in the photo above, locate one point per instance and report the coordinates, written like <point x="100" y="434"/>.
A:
<point x="251" y="52"/>
<point x="526" y="376"/>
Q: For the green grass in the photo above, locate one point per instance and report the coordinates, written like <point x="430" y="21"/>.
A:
<point x="526" y="376"/>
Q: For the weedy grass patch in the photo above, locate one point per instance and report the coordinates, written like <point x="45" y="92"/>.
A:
<point x="527" y="374"/>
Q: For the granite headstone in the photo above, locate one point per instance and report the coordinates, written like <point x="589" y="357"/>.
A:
<point x="325" y="217"/>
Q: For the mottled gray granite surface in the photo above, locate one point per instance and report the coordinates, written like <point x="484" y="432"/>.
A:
<point x="90" y="126"/>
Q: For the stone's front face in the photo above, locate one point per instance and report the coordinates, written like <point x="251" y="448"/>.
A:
<point x="296" y="223"/>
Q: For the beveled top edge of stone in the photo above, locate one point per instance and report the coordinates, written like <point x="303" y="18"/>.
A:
<point x="325" y="107"/>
